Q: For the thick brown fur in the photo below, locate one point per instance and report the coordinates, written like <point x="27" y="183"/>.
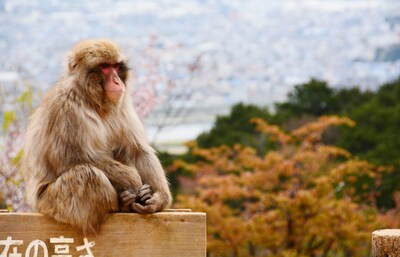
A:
<point x="82" y="150"/>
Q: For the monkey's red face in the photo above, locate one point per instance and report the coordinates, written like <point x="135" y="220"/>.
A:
<point x="114" y="86"/>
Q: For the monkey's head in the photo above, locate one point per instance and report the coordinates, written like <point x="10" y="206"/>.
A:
<point x="100" y="71"/>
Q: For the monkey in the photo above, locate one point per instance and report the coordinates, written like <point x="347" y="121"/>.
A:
<point x="86" y="153"/>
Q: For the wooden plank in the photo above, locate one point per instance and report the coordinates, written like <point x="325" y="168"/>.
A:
<point x="177" y="210"/>
<point x="386" y="242"/>
<point x="124" y="234"/>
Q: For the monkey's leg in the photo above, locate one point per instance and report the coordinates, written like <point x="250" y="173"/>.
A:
<point x="82" y="197"/>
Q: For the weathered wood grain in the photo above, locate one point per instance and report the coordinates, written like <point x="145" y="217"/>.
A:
<point x="386" y="243"/>
<point x="172" y="233"/>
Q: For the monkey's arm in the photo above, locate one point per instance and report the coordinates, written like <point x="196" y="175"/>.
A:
<point x="121" y="176"/>
<point x="147" y="164"/>
<point x="152" y="173"/>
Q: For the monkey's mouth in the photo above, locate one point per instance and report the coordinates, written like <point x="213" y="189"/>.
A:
<point x="115" y="96"/>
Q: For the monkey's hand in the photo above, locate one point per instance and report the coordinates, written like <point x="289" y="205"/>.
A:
<point x="127" y="197"/>
<point x="154" y="204"/>
<point x="144" y="194"/>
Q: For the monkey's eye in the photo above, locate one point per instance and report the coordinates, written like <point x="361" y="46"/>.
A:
<point x="104" y="66"/>
<point x="117" y="66"/>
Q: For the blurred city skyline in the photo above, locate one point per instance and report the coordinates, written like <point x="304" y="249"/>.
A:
<point x="248" y="51"/>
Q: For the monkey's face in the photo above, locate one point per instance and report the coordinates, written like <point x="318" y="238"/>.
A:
<point x="114" y="86"/>
<point x="100" y="68"/>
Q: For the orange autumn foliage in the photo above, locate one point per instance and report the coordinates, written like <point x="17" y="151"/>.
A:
<point x="302" y="199"/>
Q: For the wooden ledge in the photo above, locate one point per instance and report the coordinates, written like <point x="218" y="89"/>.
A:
<point x="171" y="233"/>
<point x="386" y="243"/>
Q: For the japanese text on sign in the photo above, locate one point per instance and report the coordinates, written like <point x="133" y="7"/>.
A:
<point x="61" y="247"/>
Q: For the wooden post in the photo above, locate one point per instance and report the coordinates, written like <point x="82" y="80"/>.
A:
<point x="386" y="243"/>
<point x="174" y="233"/>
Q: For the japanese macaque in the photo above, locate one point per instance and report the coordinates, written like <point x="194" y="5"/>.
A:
<point x="86" y="152"/>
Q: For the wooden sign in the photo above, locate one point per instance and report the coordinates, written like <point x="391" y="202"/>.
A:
<point x="174" y="233"/>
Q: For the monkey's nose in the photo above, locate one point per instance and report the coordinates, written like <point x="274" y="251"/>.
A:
<point x="116" y="80"/>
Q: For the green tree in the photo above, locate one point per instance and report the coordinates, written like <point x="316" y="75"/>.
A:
<point x="376" y="136"/>
<point x="236" y="128"/>
<point x="304" y="104"/>
<point x="316" y="98"/>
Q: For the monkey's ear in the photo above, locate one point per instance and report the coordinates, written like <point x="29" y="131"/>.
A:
<point x="71" y="63"/>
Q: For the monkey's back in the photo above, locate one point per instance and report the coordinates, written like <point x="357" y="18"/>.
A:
<point x="53" y="138"/>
